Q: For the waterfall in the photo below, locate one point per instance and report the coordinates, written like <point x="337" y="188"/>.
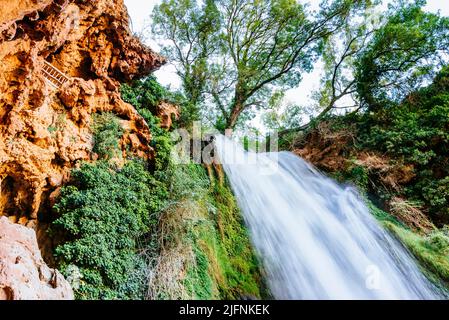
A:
<point x="316" y="238"/>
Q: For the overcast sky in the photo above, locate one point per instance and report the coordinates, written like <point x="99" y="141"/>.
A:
<point x="140" y="11"/>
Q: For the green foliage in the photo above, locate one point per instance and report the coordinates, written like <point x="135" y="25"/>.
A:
<point x="107" y="133"/>
<point x="110" y="219"/>
<point x="198" y="280"/>
<point x="416" y="131"/>
<point x="238" y="53"/>
<point x="205" y="221"/>
<point x="145" y="95"/>
<point x="404" y="53"/>
<point x="430" y="250"/>
<point x="282" y="116"/>
<point x="102" y="214"/>
<point x="192" y="28"/>
<point x="358" y="175"/>
<point x="375" y="61"/>
<point x="226" y="267"/>
<point x="239" y="263"/>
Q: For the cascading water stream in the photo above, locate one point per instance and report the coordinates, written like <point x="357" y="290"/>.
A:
<point x="316" y="239"/>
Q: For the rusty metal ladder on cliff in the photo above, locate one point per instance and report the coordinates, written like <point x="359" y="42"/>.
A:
<point x="53" y="75"/>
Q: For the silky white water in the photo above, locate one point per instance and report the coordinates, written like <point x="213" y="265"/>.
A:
<point x="316" y="239"/>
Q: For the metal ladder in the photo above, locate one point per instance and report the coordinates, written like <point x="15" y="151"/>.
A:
<point x="53" y="75"/>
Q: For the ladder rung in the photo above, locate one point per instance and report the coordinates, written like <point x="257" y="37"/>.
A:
<point x="54" y="76"/>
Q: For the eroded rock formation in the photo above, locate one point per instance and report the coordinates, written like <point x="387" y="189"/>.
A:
<point x="23" y="273"/>
<point x="45" y="131"/>
<point x="167" y="112"/>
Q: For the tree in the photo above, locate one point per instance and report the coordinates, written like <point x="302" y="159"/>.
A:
<point x="253" y="48"/>
<point x="282" y="115"/>
<point x="376" y="60"/>
<point x="192" y="31"/>
<point x="405" y="53"/>
<point x="341" y="51"/>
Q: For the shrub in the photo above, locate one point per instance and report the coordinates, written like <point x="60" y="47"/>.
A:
<point x="107" y="134"/>
<point x="103" y="213"/>
<point x="145" y="95"/>
<point x="416" y="132"/>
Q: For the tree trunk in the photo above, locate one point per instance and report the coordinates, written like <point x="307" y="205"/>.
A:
<point x="237" y="108"/>
<point x="233" y="117"/>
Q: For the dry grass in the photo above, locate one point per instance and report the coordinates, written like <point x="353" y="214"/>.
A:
<point x="411" y="214"/>
<point x="166" y="277"/>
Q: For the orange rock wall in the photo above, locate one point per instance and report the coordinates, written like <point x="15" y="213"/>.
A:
<point x="45" y="131"/>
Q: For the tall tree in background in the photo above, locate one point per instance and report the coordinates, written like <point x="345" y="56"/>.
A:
<point x="192" y="32"/>
<point x="248" y="50"/>
<point x="234" y="55"/>
<point x="379" y="58"/>
<point x="404" y="54"/>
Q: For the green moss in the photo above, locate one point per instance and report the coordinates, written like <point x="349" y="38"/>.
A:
<point x="240" y="264"/>
<point x="434" y="261"/>
<point x="198" y="280"/>
<point x="431" y="250"/>
<point x="224" y="265"/>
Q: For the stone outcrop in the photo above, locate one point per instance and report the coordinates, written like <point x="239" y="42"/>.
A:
<point x="23" y="273"/>
<point x="167" y="112"/>
<point x="45" y="131"/>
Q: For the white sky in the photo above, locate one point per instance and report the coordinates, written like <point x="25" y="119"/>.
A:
<point x="140" y="11"/>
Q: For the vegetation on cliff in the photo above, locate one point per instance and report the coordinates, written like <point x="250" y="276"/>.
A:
<point x="205" y="252"/>
<point x="398" y="156"/>
<point x="164" y="231"/>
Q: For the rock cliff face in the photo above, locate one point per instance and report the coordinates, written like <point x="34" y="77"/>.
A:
<point x="23" y="272"/>
<point x="45" y="129"/>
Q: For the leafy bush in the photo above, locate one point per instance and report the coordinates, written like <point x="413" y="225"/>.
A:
<point x="357" y="174"/>
<point x="107" y="134"/>
<point x="416" y="132"/>
<point x="145" y="95"/>
<point x="103" y="212"/>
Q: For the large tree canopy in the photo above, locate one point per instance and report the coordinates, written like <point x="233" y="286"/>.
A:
<point x="405" y="53"/>
<point x="193" y="34"/>
<point x="232" y="54"/>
